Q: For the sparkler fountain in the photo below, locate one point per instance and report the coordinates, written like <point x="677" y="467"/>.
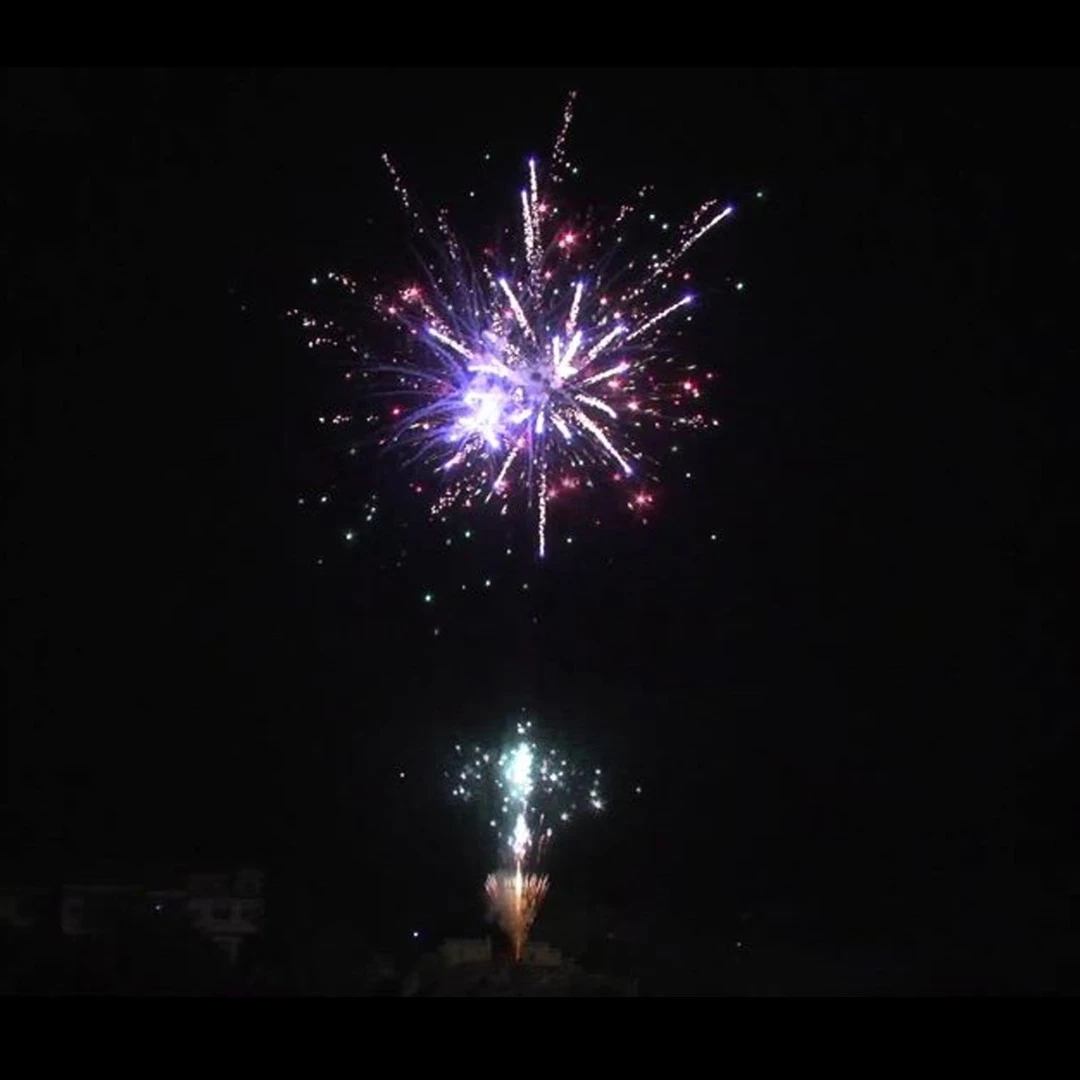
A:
<point x="534" y="788"/>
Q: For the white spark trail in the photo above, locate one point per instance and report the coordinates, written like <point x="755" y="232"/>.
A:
<point x="451" y="343"/>
<point x="575" y="307"/>
<point x="618" y="369"/>
<point x="602" y="344"/>
<point x="502" y="472"/>
<point x="600" y="435"/>
<point x="563" y="369"/>
<point x="659" y="317"/>
<point x="515" y="306"/>
<point x="596" y="403"/>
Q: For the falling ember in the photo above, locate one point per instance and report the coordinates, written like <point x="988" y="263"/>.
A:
<point x="507" y="360"/>
<point x="515" y="898"/>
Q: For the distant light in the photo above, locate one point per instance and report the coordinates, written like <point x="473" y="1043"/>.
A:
<point x="428" y="597"/>
<point x="637" y="790"/>
<point x="401" y="775"/>
<point x="738" y="286"/>
<point x="487" y="583"/>
<point x="416" y="933"/>
<point x="349" y="535"/>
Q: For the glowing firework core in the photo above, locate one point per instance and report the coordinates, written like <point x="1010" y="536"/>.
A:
<point x="522" y="838"/>
<point x="519" y="771"/>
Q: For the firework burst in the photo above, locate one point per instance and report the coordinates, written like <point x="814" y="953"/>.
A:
<point x="533" y="372"/>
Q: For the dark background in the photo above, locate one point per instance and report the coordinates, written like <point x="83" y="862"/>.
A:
<point x="848" y="712"/>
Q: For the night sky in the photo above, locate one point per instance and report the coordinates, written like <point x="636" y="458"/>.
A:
<point x="847" y="706"/>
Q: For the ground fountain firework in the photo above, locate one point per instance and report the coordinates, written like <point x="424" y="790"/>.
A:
<point x="515" y="898"/>
<point x="526" y="791"/>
